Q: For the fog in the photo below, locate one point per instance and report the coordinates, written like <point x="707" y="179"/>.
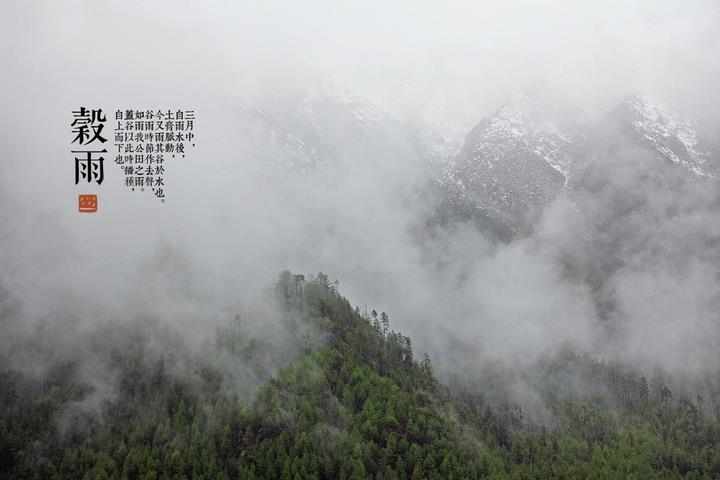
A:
<point x="240" y="209"/>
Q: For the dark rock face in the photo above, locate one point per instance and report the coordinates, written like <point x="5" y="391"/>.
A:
<point x="507" y="171"/>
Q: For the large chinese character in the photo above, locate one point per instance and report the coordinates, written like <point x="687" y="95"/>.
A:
<point x="88" y="125"/>
<point x="89" y="168"/>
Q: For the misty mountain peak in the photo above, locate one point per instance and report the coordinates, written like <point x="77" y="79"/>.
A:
<point x="511" y="164"/>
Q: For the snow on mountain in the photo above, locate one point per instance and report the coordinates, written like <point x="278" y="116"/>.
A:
<point x="675" y="140"/>
<point x="509" y="166"/>
<point x="517" y="160"/>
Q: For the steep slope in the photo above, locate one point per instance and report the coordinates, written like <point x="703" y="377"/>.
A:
<point x="511" y="165"/>
<point x="354" y="405"/>
<point x="508" y="167"/>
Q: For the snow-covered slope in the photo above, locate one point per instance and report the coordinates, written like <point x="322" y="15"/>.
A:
<point x="674" y="139"/>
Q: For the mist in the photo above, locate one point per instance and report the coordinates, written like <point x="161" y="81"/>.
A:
<point x="623" y="266"/>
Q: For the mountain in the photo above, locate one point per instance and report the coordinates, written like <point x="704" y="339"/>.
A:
<point x="515" y="162"/>
<point x="354" y="403"/>
<point x="508" y="168"/>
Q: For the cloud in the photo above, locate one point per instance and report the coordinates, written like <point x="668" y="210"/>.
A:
<point x="258" y="76"/>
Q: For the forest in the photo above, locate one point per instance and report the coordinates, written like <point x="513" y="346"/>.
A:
<point x="355" y="402"/>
